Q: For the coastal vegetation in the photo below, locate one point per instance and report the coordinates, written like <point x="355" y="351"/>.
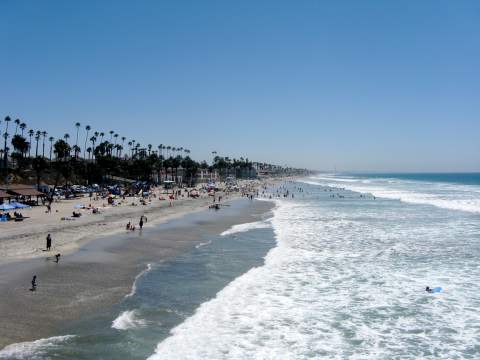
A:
<point x="91" y="156"/>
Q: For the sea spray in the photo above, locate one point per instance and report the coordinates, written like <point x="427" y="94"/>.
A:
<point x="33" y="350"/>
<point x="128" y="319"/>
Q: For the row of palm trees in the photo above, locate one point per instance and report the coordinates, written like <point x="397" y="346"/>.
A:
<point x="115" y="143"/>
<point x="104" y="154"/>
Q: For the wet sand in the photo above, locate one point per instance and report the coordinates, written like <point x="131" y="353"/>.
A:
<point x="101" y="272"/>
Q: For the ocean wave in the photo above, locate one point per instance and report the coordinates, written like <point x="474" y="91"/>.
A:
<point x="442" y="195"/>
<point x="134" y="285"/>
<point x="264" y="224"/>
<point x="33" y="350"/>
<point x="128" y="320"/>
<point x="338" y="288"/>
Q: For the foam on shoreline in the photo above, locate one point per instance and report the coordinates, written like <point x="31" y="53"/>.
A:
<point x="33" y="350"/>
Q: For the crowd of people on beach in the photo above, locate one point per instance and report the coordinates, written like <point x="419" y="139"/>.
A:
<point x="217" y="198"/>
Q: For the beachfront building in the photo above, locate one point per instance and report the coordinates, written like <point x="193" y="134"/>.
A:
<point x="204" y="175"/>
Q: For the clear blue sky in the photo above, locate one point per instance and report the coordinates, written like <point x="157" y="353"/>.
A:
<point x="360" y="85"/>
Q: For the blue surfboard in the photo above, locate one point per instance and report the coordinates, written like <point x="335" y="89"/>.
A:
<point x="437" y="290"/>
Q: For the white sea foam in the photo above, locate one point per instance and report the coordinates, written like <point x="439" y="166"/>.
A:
<point x="343" y="282"/>
<point x="128" y="320"/>
<point x="264" y="224"/>
<point x="442" y="195"/>
<point x="33" y="350"/>
<point x="198" y="246"/>
<point x="134" y="285"/>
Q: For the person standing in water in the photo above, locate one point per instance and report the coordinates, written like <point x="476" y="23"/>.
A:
<point x="49" y="242"/>
<point x="141" y="222"/>
<point x="34" y="283"/>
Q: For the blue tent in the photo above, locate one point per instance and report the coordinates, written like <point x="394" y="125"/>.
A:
<point x="6" y="207"/>
<point x="17" y="205"/>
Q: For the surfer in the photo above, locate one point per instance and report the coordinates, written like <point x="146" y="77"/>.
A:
<point x="428" y="289"/>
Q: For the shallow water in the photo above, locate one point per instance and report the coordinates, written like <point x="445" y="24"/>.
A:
<point x="343" y="277"/>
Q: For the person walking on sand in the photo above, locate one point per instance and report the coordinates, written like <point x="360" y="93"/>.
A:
<point x="49" y="242"/>
<point x="34" y="283"/>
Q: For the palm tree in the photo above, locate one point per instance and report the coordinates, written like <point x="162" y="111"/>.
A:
<point x="51" y="138"/>
<point x="23" y="126"/>
<point x="5" y="135"/>
<point x="93" y="139"/>
<point x="149" y="149"/>
<point x="44" y="134"/>
<point x="30" y="133"/>
<point x="17" y="123"/>
<point x="76" y="150"/>
<point x="123" y="143"/>
<point x="111" y="135"/>
<point x="160" y="148"/>
<point x="102" y="134"/>
<point x="130" y="146"/>
<point x="168" y="151"/>
<point x="89" y="151"/>
<point x="39" y="164"/>
<point x="214" y="153"/>
<point x="77" y="125"/>
<point x="119" y="149"/>
<point x="87" y="128"/>
<point x="116" y="137"/>
<point x="37" y="138"/>
<point x="66" y="137"/>
<point x="20" y="145"/>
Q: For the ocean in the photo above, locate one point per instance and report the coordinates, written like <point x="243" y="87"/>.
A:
<point x="338" y="271"/>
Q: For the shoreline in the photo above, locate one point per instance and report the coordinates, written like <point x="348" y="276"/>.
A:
<point x="99" y="272"/>
<point x="26" y="240"/>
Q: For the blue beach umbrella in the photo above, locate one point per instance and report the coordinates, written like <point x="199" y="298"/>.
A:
<point x="18" y="205"/>
<point x="79" y="206"/>
<point x="6" y="207"/>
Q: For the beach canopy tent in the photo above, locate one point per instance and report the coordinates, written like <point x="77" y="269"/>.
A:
<point x="4" y="195"/>
<point x="7" y="207"/>
<point x="26" y="192"/>
<point x="21" y="191"/>
<point x="18" y="205"/>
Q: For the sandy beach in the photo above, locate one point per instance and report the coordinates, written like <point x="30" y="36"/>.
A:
<point x="26" y="239"/>
<point x="100" y="259"/>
